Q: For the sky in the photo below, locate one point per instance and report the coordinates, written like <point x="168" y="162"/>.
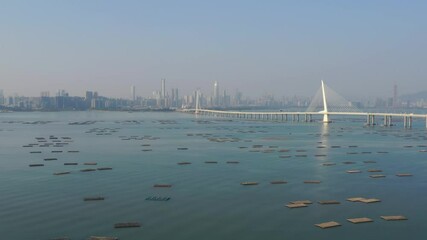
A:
<point x="359" y="48"/>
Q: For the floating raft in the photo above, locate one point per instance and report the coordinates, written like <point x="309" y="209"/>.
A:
<point x="296" y="205"/>
<point x="162" y="185"/>
<point x="104" y="168"/>
<point x="377" y="176"/>
<point x="182" y="148"/>
<point x="102" y="238"/>
<point x="211" y="162"/>
<point x="375" y="170"/>
<point x="328" y="164"/>
<point x="328" y="202"/>
<point x="355" y="199"/>
<point x="353" y="171"/>
<point x="278" y="182"/>
<point x="36" y="165"/>
<point x="184" y="163"/>
<point x="364" y="200"/>
<point x="61" y="173"/>
<point x="127" y="225"/>
<point x="301" y="202"/>
<point x="56" y="151"/>
<point x="249" y="183"/>
<point x="36" y="152"/>
<point x="394" y="218"/>
<point x="328" y="225"/>
<point x="359" y="220"/>
<point x="88" y="170"/>
<point x="93" y="198"/>
<point x="349" y="162"/>
<point x="73" y="151"/>
<point x="90" y="163"/>
<point x="404" y="175"/>
<point x="71" y="163"/>
<point x="370" y="200"/>
<point x="312" y="181"/>
<point x="50" y="159"/>
<point x="158" y="198"/>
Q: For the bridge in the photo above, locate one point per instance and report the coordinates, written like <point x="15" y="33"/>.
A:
<point x="307" y="116"/>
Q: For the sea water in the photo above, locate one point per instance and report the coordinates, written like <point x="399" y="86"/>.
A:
<point x="207" y="200"/>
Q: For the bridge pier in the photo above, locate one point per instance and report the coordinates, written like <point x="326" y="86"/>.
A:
<point x="370" y="120"/>
<point x="387" y="121"/>
<point x="407" y="121"/>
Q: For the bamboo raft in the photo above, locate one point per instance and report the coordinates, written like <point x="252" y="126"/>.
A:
<point x="328" y="225"/>
<point x="359" y="220"/>
<point x="127" y="225"/>
<point x="249" y="183"/>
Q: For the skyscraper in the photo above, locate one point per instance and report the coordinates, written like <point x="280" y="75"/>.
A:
<point x="216" y="94"/>
<point x="1" y="97"/>
<point x="163" y="91"/>
<point x="395" y="96"/>
<point x="132" y="92"/>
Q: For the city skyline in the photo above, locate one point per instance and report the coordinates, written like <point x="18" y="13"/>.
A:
<point x="280" y="48"/>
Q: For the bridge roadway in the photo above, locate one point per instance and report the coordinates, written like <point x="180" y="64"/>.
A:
<point x="307" y="116"/>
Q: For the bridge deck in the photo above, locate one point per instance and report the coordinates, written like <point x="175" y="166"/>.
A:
<point x="313" y="113"/>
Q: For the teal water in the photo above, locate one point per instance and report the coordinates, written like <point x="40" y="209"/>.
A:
<point x="207" y="200"/>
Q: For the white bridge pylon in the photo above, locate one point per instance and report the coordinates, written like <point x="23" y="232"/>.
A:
<point x="197" y="102"/>
<point x="325" y="106"/>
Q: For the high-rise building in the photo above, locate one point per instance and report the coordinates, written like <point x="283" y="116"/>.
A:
<point x="174" y="97"/>
<point x="216" y="101"/>
<point x="395" y="96"/>
<point x="132" y="92"/>
<point x="1" y="97"/>
<point x="163" y="90"/>
<point x="89" y="95"/>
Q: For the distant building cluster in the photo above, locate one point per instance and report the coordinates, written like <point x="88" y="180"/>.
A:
<point x="162" y="99"/>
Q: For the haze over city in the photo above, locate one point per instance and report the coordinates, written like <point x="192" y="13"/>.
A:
<point x="360" y="48"/>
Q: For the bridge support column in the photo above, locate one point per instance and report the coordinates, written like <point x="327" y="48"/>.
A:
<point x="372" y="120"/>
<point x="407" y="122"/>
<point x="387" y="121"/>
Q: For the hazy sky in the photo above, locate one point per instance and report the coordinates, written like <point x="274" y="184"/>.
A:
<point x="278" y="47"/>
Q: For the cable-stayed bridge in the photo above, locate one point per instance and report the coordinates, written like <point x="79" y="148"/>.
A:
<point x="326" y="103"/>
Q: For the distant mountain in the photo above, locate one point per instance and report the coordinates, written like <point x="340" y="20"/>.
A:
<point x="414" y="96"/>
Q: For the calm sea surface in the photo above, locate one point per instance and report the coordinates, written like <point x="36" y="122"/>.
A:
<point x="207" y="200"/>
